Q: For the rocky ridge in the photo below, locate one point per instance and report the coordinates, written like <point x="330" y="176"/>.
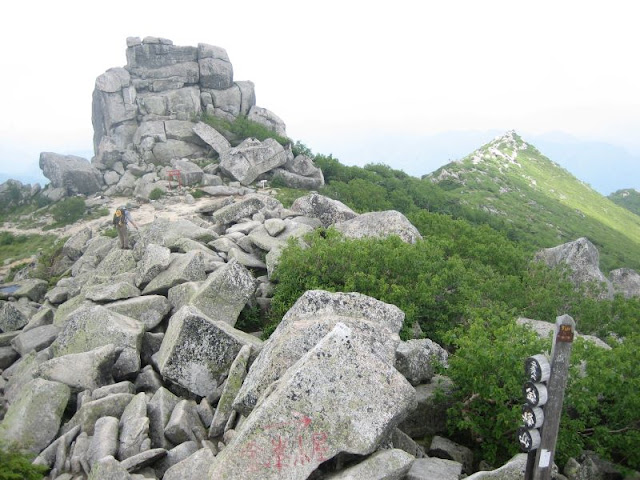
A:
<point x="133" y="366"/>
<point x="134" y="362"/>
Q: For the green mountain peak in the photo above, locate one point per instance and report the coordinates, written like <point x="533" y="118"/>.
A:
<point x="540" y="202"/>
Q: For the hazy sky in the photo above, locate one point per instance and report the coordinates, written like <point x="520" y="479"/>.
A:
<point x="334" y="70"/>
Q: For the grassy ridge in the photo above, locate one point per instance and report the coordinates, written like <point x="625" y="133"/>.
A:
<point x="627" y="198"/>
<point x="543" y="203"/>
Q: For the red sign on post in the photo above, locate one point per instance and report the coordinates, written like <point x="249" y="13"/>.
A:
<point x="565" y="334"/>
<point x="171" y="174"/>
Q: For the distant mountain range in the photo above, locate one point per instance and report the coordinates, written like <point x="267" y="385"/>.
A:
<point x="628" y="198"/>
<point x="604" y="166"/>
<point x="541" y="201"/>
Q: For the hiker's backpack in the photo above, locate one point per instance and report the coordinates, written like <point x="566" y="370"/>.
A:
<point x="118" y="217"/>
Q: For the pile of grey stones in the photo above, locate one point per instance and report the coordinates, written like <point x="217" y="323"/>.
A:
<point x="131" y="367"/>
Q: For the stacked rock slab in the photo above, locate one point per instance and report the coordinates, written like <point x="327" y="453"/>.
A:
<point x="145" y="109"/>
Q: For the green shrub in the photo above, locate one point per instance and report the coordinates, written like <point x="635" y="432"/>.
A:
<point x="242" y="128"/>
<point x="197" y="193"/>
<point x="156" y="194"/>
<point x="68" y="211"/>
<point x="488" y="371"/>
<point x="110" y="232"/>
<point x="47" y="260"/>
<point x="465" y="286"/>
<point x="300" y="148"/>
<point x="287" y="196"/>
<point x="251" y="320"/>
<point x="22" y="246"/>
<point x="17" y="466"/>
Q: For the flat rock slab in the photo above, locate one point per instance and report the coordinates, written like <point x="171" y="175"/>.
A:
<point x="303" y="421"/>
<point x="94" y="327"/>
<point x="185" y="267"/>
<point x="197" y="352"/>
<point x="33" y="419"/>
<point x="384" y="464"/>
<point x="380" y="225"/>
<point x="313" y="316"/>
<point x="82" y="371"/>
<point x="225" y="293"/>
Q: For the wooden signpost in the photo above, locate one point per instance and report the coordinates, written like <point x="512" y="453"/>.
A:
<point x="544" y="394"/>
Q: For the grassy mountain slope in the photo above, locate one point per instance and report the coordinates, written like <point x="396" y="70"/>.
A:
<point x="543" y="203"/>
<point x="628" y="198"/>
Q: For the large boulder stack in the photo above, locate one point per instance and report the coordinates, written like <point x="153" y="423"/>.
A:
<point x="145" y="119"/>
<point x="70" y="173"/>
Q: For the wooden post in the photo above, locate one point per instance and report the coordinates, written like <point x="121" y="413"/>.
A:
<point x="560" y="355"/>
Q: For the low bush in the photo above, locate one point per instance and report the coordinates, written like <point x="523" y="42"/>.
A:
<point x="197" y="193"/>
<point x="156" y="194"/>
<point x="68" y="211"/>
<point x="242" y="128"/>
<point x="17" y="466"/>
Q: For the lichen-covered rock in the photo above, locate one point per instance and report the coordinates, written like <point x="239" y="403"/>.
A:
<point x="313" y="316"/>
<point x="89" y="413"/>
<point x="304" y="414"/>
<point x="74" y="247"/>
<point x="225" y="293"/>
<point x="71" y="173"/>
<point x="211" y="136"/>
<point x="252" y="158"/>
<point x="237" y="374"/>
<point x="11" y="317"/>
<point x="108" y="468"/>
<point x="32" y="288"/>
<point x="383" y="464"/>
<point x="268" y="119"/>
<point x="185" y="267"/>
<point x="33" y="418"/>
<point x="92" y="327"/>
<point x="327" y="210"/>
<point x="190" y="173"/>
<point x="380" y="224"/>
<point x="583" y="260"/>
<point x="134" y="428"/>
<point x="438" y="468"/>
<point x="82" y="371"/>
<point x="155" y="259"/>
<point x="164" y="232"/>
<point x="192" y="467"/>
<point x="159" y="411"/>
<point x="236" y="211"/>
<point x="184" y="424"/>
<point x="116" y="262"/>
<point x="35" y="339"/>
<point x="137" y="462"/>
<point x="197" y="351"/>
<point x="104" y="441"/>
<point x="148" y="309"/>
<point x="444" y="448"/>
<point x="417" y="360"/>
<point x="175" y="456"/>
<point x="512" y="470"/>
<point x="625" y="281"/>
<point x="111" y="292"/>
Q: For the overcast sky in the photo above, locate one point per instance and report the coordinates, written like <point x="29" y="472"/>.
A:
<point x="335" y="70"/>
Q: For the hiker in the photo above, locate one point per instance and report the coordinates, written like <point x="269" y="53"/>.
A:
<point x="120" y="220"/>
